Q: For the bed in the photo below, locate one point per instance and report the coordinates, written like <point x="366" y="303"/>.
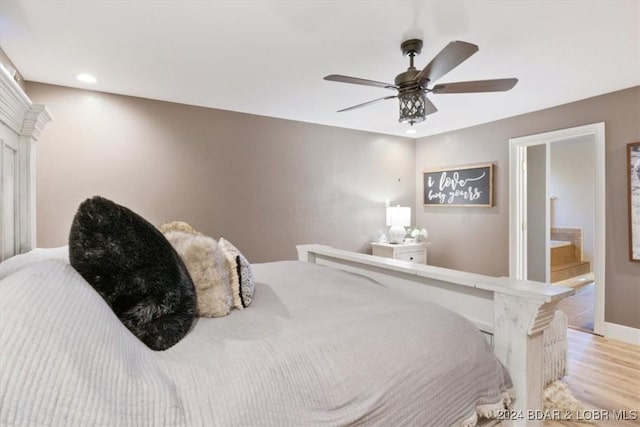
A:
<point x="317" y="346"/>
<point x="334" y="338"/>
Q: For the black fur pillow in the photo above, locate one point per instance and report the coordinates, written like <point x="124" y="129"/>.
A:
<point x="135" y="269"/>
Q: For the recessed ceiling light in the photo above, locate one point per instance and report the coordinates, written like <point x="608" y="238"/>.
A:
<point x="410" y="131"/>
<point x="86" y="78"/>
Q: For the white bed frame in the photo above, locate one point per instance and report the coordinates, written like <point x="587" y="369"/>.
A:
<point x="512" y="313"/>
<point x="21" y="123"/>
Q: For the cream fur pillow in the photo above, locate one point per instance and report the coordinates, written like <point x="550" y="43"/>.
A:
<point x="242" y="283"/>
<point x="177" y="226"/>
<point x="208" y="269"/>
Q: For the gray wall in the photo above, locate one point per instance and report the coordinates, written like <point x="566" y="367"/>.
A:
<point x="265" y="184"/>
<point x="477" y="239"/>
<point x="268" y="184"/>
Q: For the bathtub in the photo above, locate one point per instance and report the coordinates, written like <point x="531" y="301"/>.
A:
<point x="558" y="243"/>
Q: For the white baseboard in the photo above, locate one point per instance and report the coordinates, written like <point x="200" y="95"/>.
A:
<point x="622" y="333"/>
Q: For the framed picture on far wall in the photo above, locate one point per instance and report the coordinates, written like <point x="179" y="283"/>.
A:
<point x="464" y="186"/>
<point x="633" y="177"/>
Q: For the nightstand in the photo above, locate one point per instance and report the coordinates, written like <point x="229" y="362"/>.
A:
<point x="414" y="252"/>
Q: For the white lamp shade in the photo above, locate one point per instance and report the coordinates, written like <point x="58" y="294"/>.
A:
<point x="399" y="216"/>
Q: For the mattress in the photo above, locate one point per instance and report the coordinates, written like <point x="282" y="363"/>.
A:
<point x="317" y="346"/>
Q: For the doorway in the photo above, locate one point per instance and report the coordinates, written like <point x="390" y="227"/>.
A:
<point x="532" y="204"/>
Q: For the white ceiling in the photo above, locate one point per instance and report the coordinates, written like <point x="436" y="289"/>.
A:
<point x="269" y="57"/>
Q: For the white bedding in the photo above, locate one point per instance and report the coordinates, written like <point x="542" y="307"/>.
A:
<point x="317" y="346"/>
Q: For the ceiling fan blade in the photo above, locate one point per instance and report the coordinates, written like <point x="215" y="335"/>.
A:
<point x="497" y="85"/>
<point x="429" y="108"/>
<point x="357" y="81"/>
<point x="368" y="103"/>
<point x="454" y="54"/>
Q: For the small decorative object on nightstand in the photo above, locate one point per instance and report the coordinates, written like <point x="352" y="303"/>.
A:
<point x="418" y="234"/>
<point x="414" y="252"/>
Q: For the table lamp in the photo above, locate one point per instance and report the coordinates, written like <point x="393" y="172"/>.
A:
<point x="398" y="217"/>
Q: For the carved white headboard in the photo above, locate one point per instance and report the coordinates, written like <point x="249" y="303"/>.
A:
<point x="21" y="123"/>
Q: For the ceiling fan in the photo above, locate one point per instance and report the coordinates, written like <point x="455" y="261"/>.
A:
<point x="412" y="85"/>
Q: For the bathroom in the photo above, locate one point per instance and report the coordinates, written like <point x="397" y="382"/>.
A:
<point x="572" y="219"/>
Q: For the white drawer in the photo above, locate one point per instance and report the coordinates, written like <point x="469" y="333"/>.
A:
<point x="413" y="256"/>
<point x="413" y="252"/>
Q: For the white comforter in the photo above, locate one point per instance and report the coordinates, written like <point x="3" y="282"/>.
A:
<point x="317" y="346"/>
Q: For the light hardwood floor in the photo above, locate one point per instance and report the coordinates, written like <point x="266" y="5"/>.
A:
<point x="605" y="375"/>
<point x="579" y="308"/>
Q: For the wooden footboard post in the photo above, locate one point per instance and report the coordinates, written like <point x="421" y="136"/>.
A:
<point x="518" y="343"/>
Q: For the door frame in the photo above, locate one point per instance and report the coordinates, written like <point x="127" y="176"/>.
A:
<point x="518" y="206"/>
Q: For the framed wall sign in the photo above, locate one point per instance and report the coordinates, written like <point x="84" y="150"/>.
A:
<point x="633" y="185"/>
<point x="467" y="186"/>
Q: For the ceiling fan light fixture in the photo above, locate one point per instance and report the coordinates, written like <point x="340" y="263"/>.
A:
<point x="411" y="106"/>
<point x="412" y="85"/>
